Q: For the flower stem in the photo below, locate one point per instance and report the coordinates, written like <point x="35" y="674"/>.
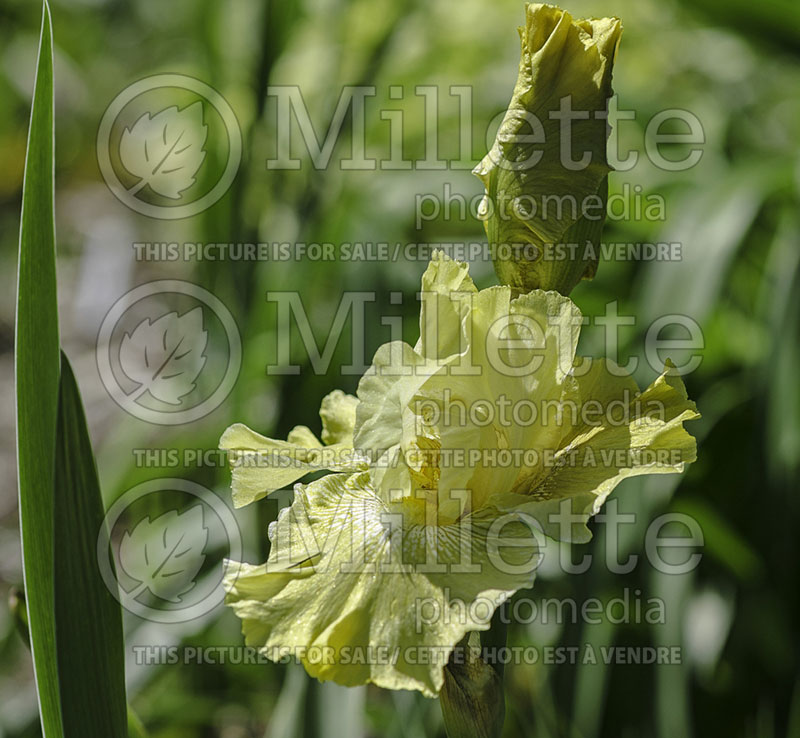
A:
<point x="472" y="698"/>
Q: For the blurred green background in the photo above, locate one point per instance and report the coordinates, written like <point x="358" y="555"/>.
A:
<point x="735" y="65"/>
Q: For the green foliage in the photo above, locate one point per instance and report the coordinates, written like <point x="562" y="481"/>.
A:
<point x="37" y="377"/>
<point x="73" y="622"/>
<point x="88" y="623"/>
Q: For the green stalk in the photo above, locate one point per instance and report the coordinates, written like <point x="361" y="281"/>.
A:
<point x="472" y="698"/>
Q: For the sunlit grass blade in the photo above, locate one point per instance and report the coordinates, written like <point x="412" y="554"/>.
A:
<point x="89" y="640"/>
<point x="135" y="727"/>
<point x="37" y="372"/>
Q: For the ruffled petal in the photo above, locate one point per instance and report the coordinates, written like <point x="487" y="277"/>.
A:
<point x="338" y="413"/>
<point x="260" y="465"/>
<point x="447" y="292"/>
<point x="361" y="597"/>
<point x="625" y="434"/>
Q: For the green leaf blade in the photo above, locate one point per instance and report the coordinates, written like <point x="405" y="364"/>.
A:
<point x="88" y="620"/>
<point x="37" y="376"/>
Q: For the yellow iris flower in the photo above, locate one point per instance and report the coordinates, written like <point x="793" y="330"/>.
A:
<point x="454" y="456"/>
